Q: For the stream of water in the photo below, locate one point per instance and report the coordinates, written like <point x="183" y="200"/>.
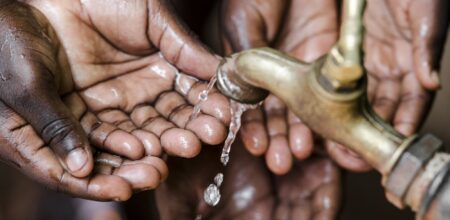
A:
<point x="212" y="192"/>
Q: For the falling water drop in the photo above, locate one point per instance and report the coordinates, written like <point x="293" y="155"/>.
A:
<point x="212" y="193"/>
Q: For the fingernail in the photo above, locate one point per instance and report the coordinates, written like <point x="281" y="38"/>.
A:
<point x="435" y="78"/>
<point x="76" y="159"/>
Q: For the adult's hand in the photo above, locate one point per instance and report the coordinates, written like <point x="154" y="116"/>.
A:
<point x="304" y="29"/>
<point x="403" y="45"/>
<point x="246" y="189"/>
<point x="124" y="92"/>
<point x="311" y="190"/>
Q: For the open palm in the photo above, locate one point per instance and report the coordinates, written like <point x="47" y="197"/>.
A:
<point x="75" y="68"/>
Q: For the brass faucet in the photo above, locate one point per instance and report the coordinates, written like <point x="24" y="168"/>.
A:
<point x="329" y="95"/>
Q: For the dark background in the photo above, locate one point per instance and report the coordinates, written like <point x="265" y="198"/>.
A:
<point x="21" y="199"/>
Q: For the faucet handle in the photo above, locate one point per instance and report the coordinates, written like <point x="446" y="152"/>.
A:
<point x="339" y="75"/>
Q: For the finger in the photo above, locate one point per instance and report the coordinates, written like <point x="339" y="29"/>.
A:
<point x="150" y="141"/>
<point x="301" y="139"/>
<point x="216" y="104"/>
<point x="345" y="159"/>
<point x="174" y="141"/>
<point x="278" y="156"/>
<point x="27" y="151"/>
<point x="372" y="86"/>
<point x="143" y="174"/>
<point x="310" y="30"/>
<point x="108" y="137"/>
<point x="177" y="43"/>
<point x="253" y="132"/>
<point x="429" y="28"/>
<point x="174" y="107"/>
<point x="326" y="199"/>
<point x="122" y="121"/>
<point x="127" y="91"/>
<point x="30" y="83"/>
<point x="117" y="118"/>
<point x="387" y="98"/>
<point x="47" y="170"/>
<point x="414" y="104"/>
<point x="250" y="24"/>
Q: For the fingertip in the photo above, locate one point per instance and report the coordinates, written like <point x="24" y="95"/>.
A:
<point x="107" y="187"/>
<point x="278" y="157"/>
<point x="180" y="142"/>
<point x="79" y="162"/>
<point x="345" y="159"/>
<point x="159" y="164"/>
<point x="254" y="137"/>
<point x="406" y="129"/>
<point x="301" y="141"/>
<point x="208" y="129"/>
<point x="140" y="176"/>
<point x="430" y="81"/>
<point x="125" y="144"/>
<point x="150" y="141"/>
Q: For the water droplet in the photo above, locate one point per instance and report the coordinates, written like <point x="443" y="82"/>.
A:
<point x="218" y="179"/>
<point x="224" y="158"/>
<point x="203" y="96"/>
<point x="212" y="195"/>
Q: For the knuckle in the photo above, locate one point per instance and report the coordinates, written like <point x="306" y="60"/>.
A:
<point x="57" y="130"/>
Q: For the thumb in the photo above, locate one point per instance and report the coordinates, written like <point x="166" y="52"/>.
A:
<point x="41" y="106"/>
<point x="28" y="74"/>
<point x="429" y="28"/>
<point x="177" y="43"/>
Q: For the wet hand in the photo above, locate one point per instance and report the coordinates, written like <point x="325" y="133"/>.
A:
<point x="403" y="46"/>
<point x="130" y="103"/>
<point x="246" y="189"/>
<point x="311" y="190"/>
<point x="308" y="30"/>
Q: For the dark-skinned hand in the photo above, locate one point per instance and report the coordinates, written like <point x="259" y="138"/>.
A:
<point x="309" y="191"/>
<point x="402" y="56"/>
<point x="403" y="45"/>
<point x="304" y="29"/>
<point x="79" y="74"/>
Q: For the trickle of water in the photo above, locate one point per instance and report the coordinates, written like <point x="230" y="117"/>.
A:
<point x="203" y="96"/>
<point x="198" y="217"/>
<point x="237" y="109"/>
<point x="212" y="194"/>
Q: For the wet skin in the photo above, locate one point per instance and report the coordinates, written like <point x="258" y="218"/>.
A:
<point x="302" y="28"/>
<point x="79" y="77"/>
<point x="403" y="47"/>
<point x="402" y="57"/>
<point x="249" y="191"/>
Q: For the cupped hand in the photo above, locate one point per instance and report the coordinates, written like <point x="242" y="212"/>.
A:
<point x="311" y="190"/>
<point x="403" y="45"/>
<point x="86" y="71"/>
<point x="246" y="189"/>
<point x="304" y="29"/>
